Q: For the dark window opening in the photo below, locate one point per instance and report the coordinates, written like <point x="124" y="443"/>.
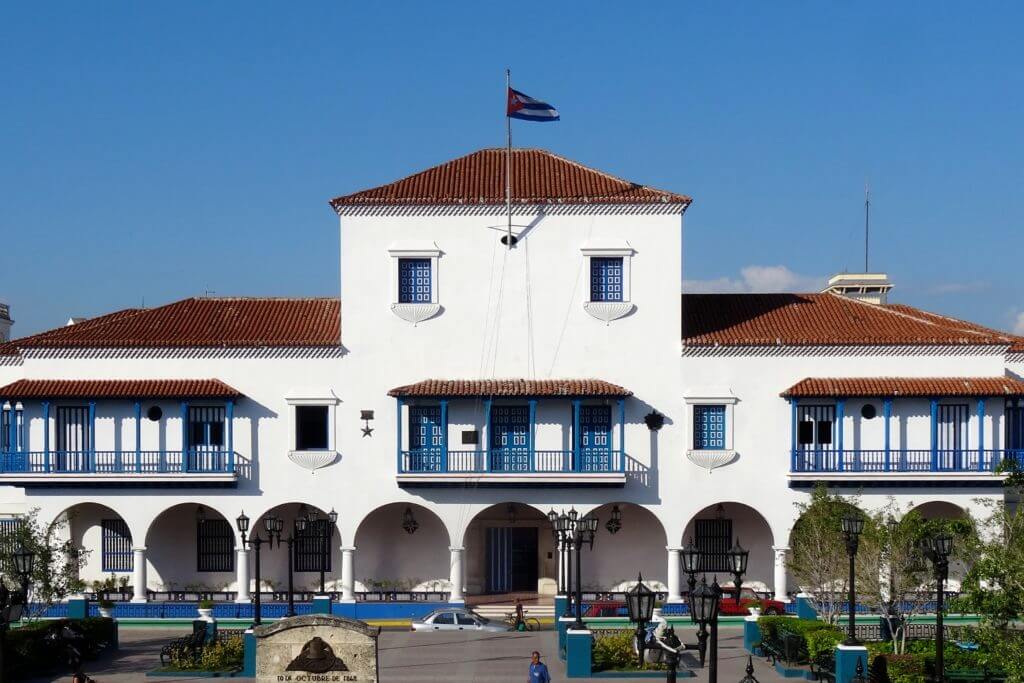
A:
<point x="311" y="428"/>
<point x="713" y="537"/>
<point x="868" y="411"/>
<point x="805" y="432"/>
<point x="824" y="432"/>
<point x="312" y="548"/>
<point x="116" y="548"/>
<point x="215" y="545"/>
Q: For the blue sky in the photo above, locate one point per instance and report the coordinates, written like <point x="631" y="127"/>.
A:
<point x="159" y="150"/>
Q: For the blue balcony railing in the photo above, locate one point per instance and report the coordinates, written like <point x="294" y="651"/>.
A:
<point x="114" y="462"/>
<point x="914" y="460"/>
<point x="511" y="460"/>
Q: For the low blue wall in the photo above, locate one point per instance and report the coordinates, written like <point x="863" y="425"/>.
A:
<point x="385" y="610"/>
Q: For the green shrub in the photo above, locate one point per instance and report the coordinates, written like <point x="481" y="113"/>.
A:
<point x="221" y="655"/>
<point x="206" y="604"/>
<point x="28" y="651"/>
<point x="822" y="641"/>
<point x="613" y="651"/>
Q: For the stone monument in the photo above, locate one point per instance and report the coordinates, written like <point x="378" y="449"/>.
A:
<point x="316" y="648"/>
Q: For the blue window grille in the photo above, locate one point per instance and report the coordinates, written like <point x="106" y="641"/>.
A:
<point x="9" y="527"/>
<point x="5" y="430"/>
<point x="6" y="442"/>
<point x="595" y="438"/>
<point x="414" y="281"/>
<point x="606" y="278"/>
<point x="116" y="546"/>
<point x="708" y="427"/>
<point x="510" y="429"/>
<point x="215" y="545"/>
<point x="425" y="438"/>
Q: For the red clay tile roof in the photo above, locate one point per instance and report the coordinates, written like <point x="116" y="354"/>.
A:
<point x="538" y="177"/>
<point x="201" y="322"/>
<point x="510" y="387"/>
<point x="820" y="320"/>
<point x="117" y="388"/>
<point x="1017" y="346"/>
<point x="905" y="386"/>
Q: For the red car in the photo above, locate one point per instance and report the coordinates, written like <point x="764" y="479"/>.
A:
<point x="748" y="598"/>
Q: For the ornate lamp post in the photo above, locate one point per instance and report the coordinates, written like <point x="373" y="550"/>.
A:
<point x="691" y="565"/>
<point x="256" y="542"/>
<point x="670" y="643"/>
<point x="640" y="605"/>
<point x="564" y="527"/>
<point x="583" y="532"/>
<point x="738" y="565"/>
<point x="853" y="525"/>
<point x="704" y="604"/>
<point x="938" y="550"/>
<point x="13" y="603"/>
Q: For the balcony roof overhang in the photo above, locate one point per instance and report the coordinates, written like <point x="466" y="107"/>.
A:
<point x="510" y="388"/>
<point x="37" y="389"/>
<point x="904" y="387"/>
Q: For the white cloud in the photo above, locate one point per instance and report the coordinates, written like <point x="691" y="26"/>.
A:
<point x="759" y="279"/>
<point x="1018" y="325"/>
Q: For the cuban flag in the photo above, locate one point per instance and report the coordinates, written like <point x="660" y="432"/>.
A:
<point x="524" y="107"/>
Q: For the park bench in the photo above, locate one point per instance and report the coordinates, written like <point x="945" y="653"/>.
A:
<point x="785" y="646"/>
<point x="973" y="675"/>
<point x="192" y="644"/>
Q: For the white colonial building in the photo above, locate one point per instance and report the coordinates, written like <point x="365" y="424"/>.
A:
<point x="463" y="387"/>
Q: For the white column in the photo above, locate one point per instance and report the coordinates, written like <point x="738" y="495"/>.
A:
<point x="780" y="572"/>
<point x="348" y="573"/>
<point x="675" y="593"/>
<point x="560" y="567"/>
<point x="242" y="574"/>
<point x="456" y="577"/>
<point x="139" y="575"/>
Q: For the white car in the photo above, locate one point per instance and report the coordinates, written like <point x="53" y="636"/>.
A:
<point x="456" y="619"/>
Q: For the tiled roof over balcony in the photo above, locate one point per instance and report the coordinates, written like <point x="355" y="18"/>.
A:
<point x="821" y="387"/>
<point x="25" y="389"/>
<point x="466" y="388"/>
<point x="538" y="177"/>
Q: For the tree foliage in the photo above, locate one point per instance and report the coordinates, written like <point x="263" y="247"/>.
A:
<point x="58" y="561"/>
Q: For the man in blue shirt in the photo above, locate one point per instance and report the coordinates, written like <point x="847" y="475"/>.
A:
<point x="538" y="670"/>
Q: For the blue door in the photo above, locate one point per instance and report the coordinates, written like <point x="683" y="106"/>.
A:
<point x="510" y="431"/>
<point x="595" y="439"/>
<point x="425" y="440"/>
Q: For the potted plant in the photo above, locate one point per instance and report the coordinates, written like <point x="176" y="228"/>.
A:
<point x="106" y="608"/>
<point x="206" y="610"/>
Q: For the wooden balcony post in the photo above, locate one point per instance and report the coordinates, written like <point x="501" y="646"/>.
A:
<point x="531" y="436"/>
<point x="184" y="436"/>
<point x="622" y="434"/>
<point x="229" y="417"/>
<point x="444" y="435"/>
<point x="576" y="435"/>
<point x="138" y="436"/>
<point x="46" y="436"/>
<point x="793" y="432"/>
<point x="487" y="436"/>
<point x="92" y="437"/>
<point x="887" y="412"/>
<point x="398" y="433"/>
<point x="840" y="418"/>
<point x="981" y="437"/>
<point x="935" y="433"/>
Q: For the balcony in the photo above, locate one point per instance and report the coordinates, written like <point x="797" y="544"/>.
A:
<point x="118" y="432"/>
<point x="906" y="464"/>
<point x="523" y="433"/>
<point x="70" y="468"/>
<point x="880" y="430"/>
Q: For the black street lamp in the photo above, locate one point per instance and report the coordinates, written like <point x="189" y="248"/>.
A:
<point x="691" y="565"/>
<point x="14" y="603"/>
<point x="938" y="549"/>
<point x="738" y="565"/>
<point x="853" y="525"/>
<point x="583" y="532"/>
<point x="640" y="605"/>
<point x="256" y="542"/>
<point x="557" y="538"/>
<point x="564" y="527"/>
<point x="704" y="604"/>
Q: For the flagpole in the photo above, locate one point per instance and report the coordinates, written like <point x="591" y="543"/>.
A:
<point x="508" y="157"/>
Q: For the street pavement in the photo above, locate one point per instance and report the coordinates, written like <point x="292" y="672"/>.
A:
<point x="430" y="657"/>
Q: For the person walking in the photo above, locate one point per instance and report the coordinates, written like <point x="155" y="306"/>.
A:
<point x="538" y="670"/>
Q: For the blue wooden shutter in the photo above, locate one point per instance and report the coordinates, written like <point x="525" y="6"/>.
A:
<point x="414" y="281"/>
<point x="709" y="427"/>
<point x="606" y="278"/>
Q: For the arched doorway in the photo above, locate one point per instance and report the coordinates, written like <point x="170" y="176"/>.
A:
<point x="315" y="552"/>
<point x="106" y="537"/>
<point x="716" y="528"/>
<point x="191" y="547"/>
<point x="510" y="549"/>
<point x="402" y="546"/>
<point x="633" y="543"/>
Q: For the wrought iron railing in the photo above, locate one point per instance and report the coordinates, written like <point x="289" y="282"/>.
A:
<point x="116" y="462"/>
<point x="511" y="460"/>
<point x="903" y="460"/>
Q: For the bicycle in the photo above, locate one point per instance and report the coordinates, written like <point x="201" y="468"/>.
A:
<point x="527" y="624"/>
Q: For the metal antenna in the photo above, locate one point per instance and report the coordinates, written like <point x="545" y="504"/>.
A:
<point x="867" y="222"/>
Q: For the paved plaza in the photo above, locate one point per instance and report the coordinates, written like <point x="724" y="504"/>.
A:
<point x="427" y="657"/>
